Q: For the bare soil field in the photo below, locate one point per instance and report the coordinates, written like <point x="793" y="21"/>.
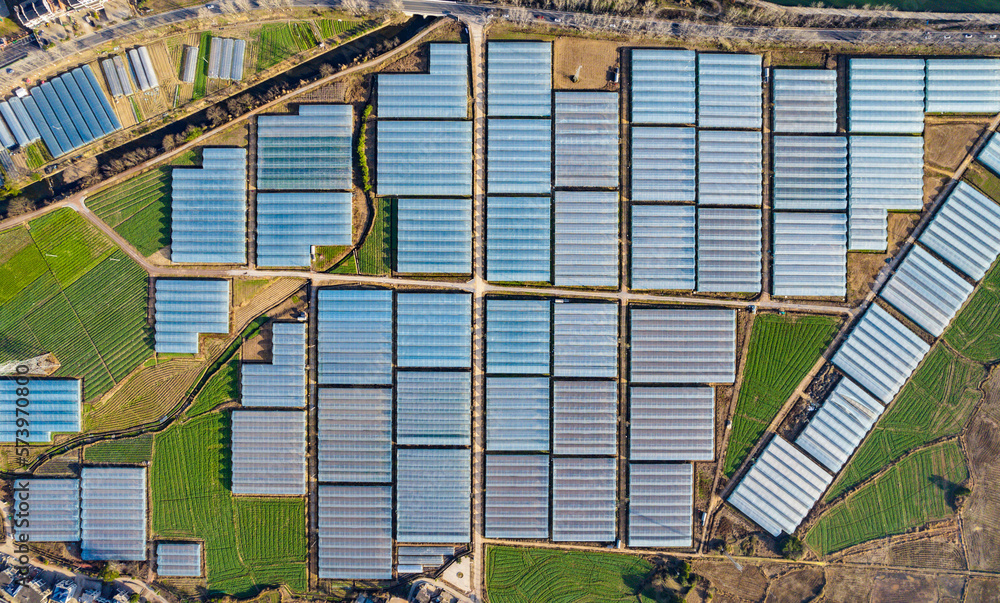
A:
<point x="595" y="58"/>
<point x="795" y="587"/>
<point x="983" y="590"/>
<point x="847" y="585"/>
<point x="981" y="512"/>
<point x="751" y="583"/>
<point x="935" y="552"/>
<point x="896" y="587"/>
<point x="947" y="140"/>
<point x="148" y="394"/>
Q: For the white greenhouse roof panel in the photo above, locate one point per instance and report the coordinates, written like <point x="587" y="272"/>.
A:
<point x="424" y="158"/>
<point x="586" y="340"/>
<point x="729" y="168"/>
<point x="308" y="151"/>
<point x="660" y="505"/>
<point x="48" y="405"/>
<point x="443" y="93"/>
<point x="780" y="488"/>
<point x="518" y="79"/>
<point x="282" y="383"/>
<point x="810" y="254"/>
<point x="585" y="417"/>
<point x="805" y="101"/>
<point x="178" y="559"/>
<point x="519" y="156"/>
<point x="683" y="345"/>
<point x="926" y="290"/>
<point x="663" y="254"/>
<point x="989" y="156"/>
<point x="880" y="353"/>
<point x="433" y="495"/>
<point x="354" y="525"/>
<point x="729" y="250"/>
<point x="587" y="139"/>
<point x="269" y="452"/>
<point x="354" y="337"/>
<point x="518" y="336"/>
<point x="185" y="308"/>
<point x="663" y="164"/>
<point x="867" y="228"/>
<point x="672" y="424"/>
<point x="887" y="172"/>
<point x="966" y="231"/>
<point x="113" y="513"/>
<point x="290" y="225"/>
<point x="517" y="414"/>
<point x="810" y="172"/>
<point x="663" y="86"/>
<point x="434" y="236"/>
<point x="208" y="209"/>
<point x="963" y="85"/>
<point x="354" y="427"/>
<point x="517" y="496"/>
<point x="434" y="330"/>
<point x="730" y="91"/>
<point x="586" y="239"/>
<point x="584" y="499"/>
<point x="519" y="239"/>
<point x="418" y="559"/>
<point x="54" y="509"/>
<point x="433" y="408"/>
<point x="843" y="420"/>
<point x="885" y="95"/>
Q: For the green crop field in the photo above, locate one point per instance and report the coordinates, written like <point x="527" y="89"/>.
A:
<point x="329" y="28"/>
<point x="222" y="387"/>
<point x="975" y="332"/>
<point x="520" y="575"/>
<point x="917" y="490"/>
<point x="201" y="71"/>
<point x="94" y="323"/>
<point x="278" y="41"/>
<point x="348" y="265"/>
<point x="375" y="253"/>
<point x="36" y="155"/>
<point x="936" y="402"/>
<point x="947" y="6"/>
<point x="782" y="350"/>
<point x="982" y="178"/>
<point x="131" y="450"/>
<point x="250" y="542"/>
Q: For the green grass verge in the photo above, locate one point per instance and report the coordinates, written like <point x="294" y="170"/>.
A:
<point x="936" y="402"/>
<point x="250" y="542"/>
<point x="375" y="253"/>
<point x="975" y="332"/>
<point x="201" y="71"/>
<point x="521" y="575"/>
<point x="221" y="388"/>
<point x="944" y="6"/>
<point x="782" y="350"/>
<point x="917" y="490"/>
<point x="131" y="450"/>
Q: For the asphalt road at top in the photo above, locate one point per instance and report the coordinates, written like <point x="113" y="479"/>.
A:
<point x="38" y="59"/>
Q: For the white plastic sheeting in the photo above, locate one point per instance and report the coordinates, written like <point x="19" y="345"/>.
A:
<point x="433" y="408"/>
<point x="729" y="250"/>
<point x="880" y="353"/>
<point x="584" y="494"/>
<point x="835" y="431"/>
<point x="586" y="239"/>
<point x="780" y="488"/>
<point x="585" y="417"/>
<point x="517" y="336"/>
<point x="180" y="559"/>
<point x="433" y="495"/>
<point x="519" y="156"/>
<point x="663" y="254"/>
<point x="434" y="236"/>
<point x="50" y="406"/>
<point x="354" y="337"/>
<point x="291" y="225"/>
<point x="926" y="290"/>
<point x="269" y="452"/>
<point x="663" y="164"/>
<point x="989" y="156"/>
<point x="283" y="381"/>
<point x="587" y="139"/>
<point x="434" y="330"/>
<point x="113" y="513"/>
<point x="519" y="239"/>
<point x="424" y="158"/>
<point x="517" y="496"/>
<point x="663" y="86"/>
<point x="810" y="254"/>
<point x="354" y="435"/>
<point x="518" y="79"/>
<point x="517" y="414"/>
<point x="186" y="308"/>
<point x="586" y="340"/>
<point x="660" y="505"/>
<point x="682" y="345"/>
<point x="963" y="85"/>
<point x="805" y="100"/>
<point x="966" y="231"/>
<point x="442" y="93"/>
<point x="887" y="172"/>
<point x="885" y="95"/>
<point x="354" y="525"/>
<point x="729" y="167"/>
<point x="867" y="228"/>
<point x="730" y="92"/>
<point x="810" y="172"/>
<point x="208" y="209"/>
<point x="672" y="424"/>
<point x="54" y="509"/>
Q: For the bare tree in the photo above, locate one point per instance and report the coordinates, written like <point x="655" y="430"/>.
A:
<point x="169" y="143"/>
<point x="326" y="70"/>
<point x="19" y="205"/>
<point x="216" y="115"/>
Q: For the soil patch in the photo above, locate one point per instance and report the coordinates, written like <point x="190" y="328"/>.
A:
<point x="798" y="586"/>
<point x="594" y="58"/>
<point x="947" y="141"/>
<point x="981" y="512"/>
<point x="895" y="587"/>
